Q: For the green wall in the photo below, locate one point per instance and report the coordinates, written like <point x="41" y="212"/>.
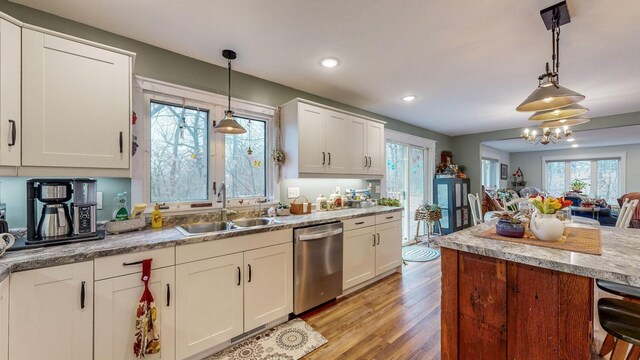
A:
<point x="160" y="64"/>
<point x="466" y="148"/>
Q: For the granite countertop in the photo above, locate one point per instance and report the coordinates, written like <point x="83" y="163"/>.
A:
<point x="160" y="238"/>
<point x="619" y="262"/>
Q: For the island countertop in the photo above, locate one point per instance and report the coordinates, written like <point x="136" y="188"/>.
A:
<point x="619" y="262"/>
<point x="149" y="239"/>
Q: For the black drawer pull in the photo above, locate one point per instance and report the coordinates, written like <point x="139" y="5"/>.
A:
<point x="168" y="295"/>
<point x="133" y="263"/>
<point x="249" y="273"/>
<point x="389" y="217"/>
<point x="13" y="132"/>
<point x="82" y="295"/>
<point x="239" y="276"/>
<point x="360" y="223"/>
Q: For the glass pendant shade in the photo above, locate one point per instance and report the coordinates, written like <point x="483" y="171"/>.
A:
<point x="564" y="122"/>
<point x="549" y="96"/>
<point x="558" y="114"/>
<point x="229" y="125"/>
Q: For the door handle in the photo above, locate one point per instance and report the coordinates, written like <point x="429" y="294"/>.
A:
<point x="378" y="238"/>
<point x="249" y="273"/>
<point x="168" y="295"/>
<point x="239" y="276"/>
<point x="82" y="295"/>
<point x="365" y="161"/>
<point x="323" y="159"/>
<point x="13" y="132"/>
<point x="369" y="161"/>
<point x="374" y="239"/>
<point x="319" y="235"/>
<point x="121" y="141"/>
<point x="329" y="159"/>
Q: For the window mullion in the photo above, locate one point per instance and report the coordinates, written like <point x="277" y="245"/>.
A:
<point x="594" y="178"/>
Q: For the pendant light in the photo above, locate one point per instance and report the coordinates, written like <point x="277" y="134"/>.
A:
<point x="550" y="95"/>
<point x="558" y="114"/>
<point x="229" y="125"/>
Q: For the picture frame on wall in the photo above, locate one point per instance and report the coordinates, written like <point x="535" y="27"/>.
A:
<point x="503" y="171"/>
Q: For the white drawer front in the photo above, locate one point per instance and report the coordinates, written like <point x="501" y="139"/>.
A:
<point x="112" y="266"/>
<point x="357" y="223"/>
<point x="388" y="217"/>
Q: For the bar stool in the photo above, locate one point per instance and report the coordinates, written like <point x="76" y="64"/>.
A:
<point x="621" y="319"/>
<point x="631" y="293"/>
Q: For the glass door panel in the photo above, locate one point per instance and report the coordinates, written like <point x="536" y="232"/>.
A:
<point x="396" y="179"/>
<point x="417" y="191"/>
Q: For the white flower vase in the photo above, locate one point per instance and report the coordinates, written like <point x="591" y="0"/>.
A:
<point x="546" y="227"/>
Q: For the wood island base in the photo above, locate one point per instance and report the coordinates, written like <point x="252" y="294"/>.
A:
<point x="497" y="309"/>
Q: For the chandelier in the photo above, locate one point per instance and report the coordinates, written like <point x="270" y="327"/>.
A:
<point x="547" y="135"/>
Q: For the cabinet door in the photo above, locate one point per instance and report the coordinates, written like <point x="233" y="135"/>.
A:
<point x="388" y="246"/>
<point x="4" y="319"/>
<point x="48" y="318"/>
<point x="268" y="285"/>
<point x="9" y="93"/>
<point x="375" y="148"/>
<point x="336" y="129"/>
<point x="116" y="301"/>
<point x="312" y="156"/>
<point x="358" y="161"/>
<point x="76" y="104"/>
<point x="359" y="260"/>
<point x="208" y="303"/>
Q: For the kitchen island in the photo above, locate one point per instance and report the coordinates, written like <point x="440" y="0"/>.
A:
<point x="508" y="300"/>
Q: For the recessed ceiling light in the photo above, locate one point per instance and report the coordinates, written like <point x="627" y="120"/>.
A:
<point x="409" y="98"/>
<point x="574" y="145"/>
<point x="571" y="139"/>
<point x="329" y="62"/>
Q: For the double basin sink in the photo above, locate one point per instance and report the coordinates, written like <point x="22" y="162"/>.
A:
<point x="218" y="226"/>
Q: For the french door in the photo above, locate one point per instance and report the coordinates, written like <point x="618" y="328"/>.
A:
<point x="407" y="171"/>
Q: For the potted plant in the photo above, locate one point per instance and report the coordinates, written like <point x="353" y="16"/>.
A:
<point x="544" y="224"/>
<point x="508" y="225"/>
<point x="283" y="209"/>
<point x="577" y="185"/>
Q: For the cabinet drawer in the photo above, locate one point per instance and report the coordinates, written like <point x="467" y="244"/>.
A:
<point x="112" y="266"/>
<point x="358" y="223"/>
<point x="388" y="217"/>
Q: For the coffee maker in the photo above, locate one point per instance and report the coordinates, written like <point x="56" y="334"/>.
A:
<point x="68" y="214"/>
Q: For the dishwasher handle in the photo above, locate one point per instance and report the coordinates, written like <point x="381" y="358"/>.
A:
<point x="319" y="235"/>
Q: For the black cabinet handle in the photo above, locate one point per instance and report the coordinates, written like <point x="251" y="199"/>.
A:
<point x="323" y="158"/>
<point x="365" y="161"/>
<point x="329" y="159"/>
<point x="168" y="295"/>
<point x="239" y="276"/>
<point x="369" y="161"/>
<point x="389" y="217"/>
<point x="249" y="273"/>
<point x="360" y="223"/>
<point x="82" y="295"/>
<point x="378" y="239"/>
<point x="374" y="239"/>
<point x="13" y="132"/>
<point x="121" y="142"/>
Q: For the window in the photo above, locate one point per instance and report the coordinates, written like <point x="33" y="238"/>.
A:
<point x="179" y="153"/>
<point x="603" y="177"/>
<point x="245" y="160"/>
<point x="490" y="173"/>
<point x="185" y="162"/>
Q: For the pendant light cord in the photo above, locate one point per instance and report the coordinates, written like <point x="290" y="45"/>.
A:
<point x="555" y="45"/>
<point x="229" y="82"/>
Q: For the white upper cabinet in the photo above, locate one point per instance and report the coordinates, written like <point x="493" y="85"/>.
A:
<point x="51" y="313"/>
<point x="10" y="117"/>
<point x="319" y="140"/>
<point x="76" y="103"/>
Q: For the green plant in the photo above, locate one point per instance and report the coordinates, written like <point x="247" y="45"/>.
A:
<point x="389" y="202"/>
<point x="578" y="184"/>
<point x="282" y="206"/>
<point x="433" y="207"/>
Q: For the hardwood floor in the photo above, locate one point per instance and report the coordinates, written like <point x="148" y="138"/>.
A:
<point x="396" y="318"/>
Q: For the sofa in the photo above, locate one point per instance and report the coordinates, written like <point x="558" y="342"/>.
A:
<point x="635" y="219"/>
<point x="604" y="216"/>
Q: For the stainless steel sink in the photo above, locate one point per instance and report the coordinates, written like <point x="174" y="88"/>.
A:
<point x="244" y="223"/>
<point x="204" y="227"/>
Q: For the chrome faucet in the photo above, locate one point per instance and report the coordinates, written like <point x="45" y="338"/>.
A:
<point x="260" y="202"/>
<point x="223" y="191"/>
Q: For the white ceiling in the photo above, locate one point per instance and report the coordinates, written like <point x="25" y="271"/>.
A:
<point x="625" y="135"/>
<point x="469" y="62"/>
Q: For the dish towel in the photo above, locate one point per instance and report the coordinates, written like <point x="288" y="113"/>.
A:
<point x="147" y="335"/>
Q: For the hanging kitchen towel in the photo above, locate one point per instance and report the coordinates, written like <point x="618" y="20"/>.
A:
<point x="147" y="335"/>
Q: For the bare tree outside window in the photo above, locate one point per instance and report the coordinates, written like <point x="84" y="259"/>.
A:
<point x="179" y="153"/>
<point x="245" y="160"/>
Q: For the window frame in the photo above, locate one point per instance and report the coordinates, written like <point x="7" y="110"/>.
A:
<point x="147" y="90"/>
<point x="495" y="173"/>
<point x="593" y="157"/>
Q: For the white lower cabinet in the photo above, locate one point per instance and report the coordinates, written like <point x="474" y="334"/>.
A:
<point x="116" y="300"/>
<point x="268" y="289"/>
<point x="209" y="306"/>
<point x="51" y="313"/>
<point x="359" y="264"/>
<point x="370" y="251"/>
<point x="4" y="319"/>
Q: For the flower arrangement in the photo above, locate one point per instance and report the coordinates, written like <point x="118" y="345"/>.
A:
<point x="578" y="185"/>
<point x="549" y="205"/>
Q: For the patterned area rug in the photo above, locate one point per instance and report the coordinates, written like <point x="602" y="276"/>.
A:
<point x="289" y="341"/>
<point x="419" y="253"/>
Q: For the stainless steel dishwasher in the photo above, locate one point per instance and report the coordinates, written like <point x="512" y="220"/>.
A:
<point x="317" y="265"/>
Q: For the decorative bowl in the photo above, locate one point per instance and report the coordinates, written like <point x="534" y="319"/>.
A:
<point x="509" y="229"/>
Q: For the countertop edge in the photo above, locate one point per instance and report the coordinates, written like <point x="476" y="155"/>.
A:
<point x="14" y="265"/>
